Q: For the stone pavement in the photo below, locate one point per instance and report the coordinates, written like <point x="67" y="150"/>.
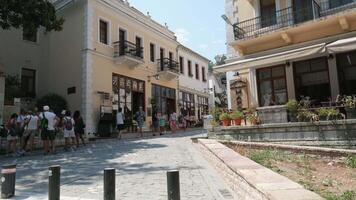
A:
<point x="141" y="170"/>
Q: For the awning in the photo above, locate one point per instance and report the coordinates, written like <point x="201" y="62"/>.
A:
<point x="343" y="45"/>
<point x="272" y="58"/>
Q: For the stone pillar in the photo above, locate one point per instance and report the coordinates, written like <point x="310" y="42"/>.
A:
<point x="2" y="95"/>
<point x="290" y="82"/>
<point x="333" y="76"/>
<point x="253" y="88"/>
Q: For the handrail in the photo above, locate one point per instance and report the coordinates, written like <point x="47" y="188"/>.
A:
<point x="122" y="48"/>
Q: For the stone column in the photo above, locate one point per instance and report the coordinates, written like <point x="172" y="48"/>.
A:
<point x="333" y="76"/>
<point x="290" y="81"/>
<point x="253" y="87"/>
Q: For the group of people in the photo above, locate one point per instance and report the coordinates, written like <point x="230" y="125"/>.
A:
<point x="25" y="126"/>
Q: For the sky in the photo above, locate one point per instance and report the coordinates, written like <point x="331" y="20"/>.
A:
<point x="197" y="23"/>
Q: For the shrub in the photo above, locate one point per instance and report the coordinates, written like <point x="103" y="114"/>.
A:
<point x="225" y="116"/>
<point x="292" y="105"/>
<point x="351" y="161"/>
<point x="215" y="112"/>
<point x="56" y="102"/>
<point x="237" y="115"/>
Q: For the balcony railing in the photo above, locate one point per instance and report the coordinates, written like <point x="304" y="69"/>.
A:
<point x="126" y="48"/>
<point x="289" y="17"/>
<point x="167" y="64"/>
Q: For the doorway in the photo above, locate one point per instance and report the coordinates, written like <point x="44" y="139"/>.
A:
<point x="122" y="41"/>
<point x="302" y="10"/>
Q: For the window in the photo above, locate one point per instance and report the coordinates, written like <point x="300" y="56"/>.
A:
<point x="181" y="64"/>
<point x="338" y="3"/>
<point x="164" y="99"/>
<point x="29" y="34"/>
<point x="190" y="72"/>
<point x="28" y="82"/>
<point x="346" y="65"/>
<point x="187" y="102"/>
<point x="197" y="71"/>
<point x="138" y="42"/>
<point x="152" y="52"/>
<point x="312" y="79"/>
<point x="104" y="32"/>
<point x="303" y="10"/>
<point x="203" y="106"/>
<point x="268" y="12"/>
<point x="272" y="88"/>
<point x="203" y="74"/>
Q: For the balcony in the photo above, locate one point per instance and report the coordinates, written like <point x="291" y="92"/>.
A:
<point x="168" y="68"/>
<point x="128" y="53"/>
<point x="288" y="23"/>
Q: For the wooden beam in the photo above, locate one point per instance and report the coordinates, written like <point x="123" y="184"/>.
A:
<point x="286" y="37"/>
<point x="344" y="24"/>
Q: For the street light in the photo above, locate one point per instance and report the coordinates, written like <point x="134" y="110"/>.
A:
<point x="226" y="19"/>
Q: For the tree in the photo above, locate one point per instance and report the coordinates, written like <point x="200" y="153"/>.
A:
<point x="56" y="102"/>
<point x="29" y="14"/>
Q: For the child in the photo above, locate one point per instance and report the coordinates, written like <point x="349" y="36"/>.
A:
<point x="162" y="123"/>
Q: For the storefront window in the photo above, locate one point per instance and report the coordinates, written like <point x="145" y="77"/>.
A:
<point x="346" y="65"/>
<point x="272" y="86"/>
<point x="164" y="99"/>
<point x="187" y="102"/>
<point x="203" y="106"/>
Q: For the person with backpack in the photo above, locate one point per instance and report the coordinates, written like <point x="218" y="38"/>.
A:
<point x="79" y="127"/>
<point x="48" y="122"/>
<point x="68" y="131"/>
<point x="10" y="128"/>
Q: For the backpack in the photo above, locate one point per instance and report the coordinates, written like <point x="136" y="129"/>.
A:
<point x="44" y="122"/>
<point x="68" y="125"/>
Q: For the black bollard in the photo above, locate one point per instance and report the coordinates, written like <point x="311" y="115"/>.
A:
<point x="8" y="180"/>
<point x="54" y="175"/>
<point x="109" y="184"/>
<point x="173" y="188"/>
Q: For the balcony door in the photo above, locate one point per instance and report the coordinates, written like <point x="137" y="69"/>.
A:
<point x="268" y="13"/>
<point x="122" y="40"/>
<point x="302" y="10"/>
<point x="338" y="3"/>
<point x="138" y="47"/>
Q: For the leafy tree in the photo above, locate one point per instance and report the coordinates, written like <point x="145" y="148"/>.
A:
<point x="30" y="14"/>
<point x="56" y="102"/>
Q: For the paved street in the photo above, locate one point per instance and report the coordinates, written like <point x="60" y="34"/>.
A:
<point x="141" y="170"/>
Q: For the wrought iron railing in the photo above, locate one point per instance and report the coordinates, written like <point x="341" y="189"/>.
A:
<point x="289" y="17"/>
<point x="126" y="48"/>
<point x="165" y="64"/>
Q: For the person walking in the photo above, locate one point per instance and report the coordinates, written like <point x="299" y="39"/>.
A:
<point x="173" y="122"/>
<point x="20" y="129"/>
<point x="162" y="123"/>
<point x="155" y="123"/>
<point x="31" y="129"/>
<point x="140" y="118"/>
<point x="120" y="118"/>
<point x="48" y="122"/>
<point x="10" y="128"/>
<point x="79" y="127"/>
<point x="68" y="131"/>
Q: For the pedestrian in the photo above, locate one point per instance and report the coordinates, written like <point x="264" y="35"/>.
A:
<point x="140" y="119"/>
<point x="173" y="122"/>
<point x="68" y="131"/>
<point x="31" y="129"/>
<point x="162" y="123"/>
<point x="155" y="123"/>
<point x="120" y="118"/>
<point x="11" y="134"/>
<point x="79" y="127"/>
<point x="20" y="129"/>
<point x="48" y="122"/>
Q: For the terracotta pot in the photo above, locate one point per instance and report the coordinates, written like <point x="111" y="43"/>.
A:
<point x="253" y="122"/>
<point x="237" y="122"/>
<point x="226" y="122"/>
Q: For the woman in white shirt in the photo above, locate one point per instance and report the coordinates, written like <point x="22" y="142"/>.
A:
<point x="31" y="129"/>
<point x="68" y="130"/>
<point x="120" y="118"/>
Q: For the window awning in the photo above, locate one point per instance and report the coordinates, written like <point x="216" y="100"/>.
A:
<point x="343" y="45"/>
<point x="272" y="58"/>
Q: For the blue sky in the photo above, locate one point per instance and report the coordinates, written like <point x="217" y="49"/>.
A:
<point x="197" y="23"/>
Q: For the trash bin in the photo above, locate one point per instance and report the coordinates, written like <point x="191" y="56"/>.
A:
<point x="207" y="120"/>
<point x="8" y="179"/>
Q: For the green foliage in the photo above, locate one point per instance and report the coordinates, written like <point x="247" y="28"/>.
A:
<point x="348" y="195"/>
<point x="55" y="102"/>
<point x="328" y="113"/>
<point x="304" y="103"/>
<point x="215" y="112"/>
<point x="31" y="14"/>
<point x="237" y="115"/>
<point x="351" y="161"/>
<point x="349" y="101"/>
<point x="292" y="105"/>
<point x="265" y="157"/>
<point x="225" y="116"/>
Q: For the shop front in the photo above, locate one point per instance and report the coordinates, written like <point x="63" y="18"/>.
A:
<point x="163" y="100"/>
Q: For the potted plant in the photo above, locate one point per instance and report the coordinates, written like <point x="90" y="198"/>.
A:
<point x="326" y="114"/>
<point x="237" y="116"/>
<point x="349" y="102"/>
<point x="252" y="118"/>
<point x="292" y="108"/>
<point x="225" y="118"/>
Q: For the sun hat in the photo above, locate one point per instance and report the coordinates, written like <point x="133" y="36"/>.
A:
<point x="45" y="108"/>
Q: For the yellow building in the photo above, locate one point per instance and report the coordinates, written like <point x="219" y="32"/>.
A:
<point x="284" y="49"/>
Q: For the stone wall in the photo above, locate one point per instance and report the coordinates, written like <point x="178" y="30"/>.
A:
<point x="341" y="134"/>
<point x="273" y="114"/>
<point x="2" y="95"/>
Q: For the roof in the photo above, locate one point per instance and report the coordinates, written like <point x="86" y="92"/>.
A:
<point x="193" y="52"/>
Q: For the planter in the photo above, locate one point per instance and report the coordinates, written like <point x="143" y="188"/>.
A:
<point x="292" y="117"/>
<point x="237" y="122"/>
<point x="350" y="113"/>
<point x="226" y="122"/>
<point x="253" y="122"/>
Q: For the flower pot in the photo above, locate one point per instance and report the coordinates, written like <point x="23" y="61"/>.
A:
<point x="350" y="113"/>
<point x="253" y="122"/>
<point x="237" y="122"/>
<point x="226" y="122"/>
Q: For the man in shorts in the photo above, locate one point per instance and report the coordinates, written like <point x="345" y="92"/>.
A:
<point x="48" y="122"/>
<point x="31" y="129"/>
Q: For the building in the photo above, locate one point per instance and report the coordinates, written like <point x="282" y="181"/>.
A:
<point x="109" y="55"/>
<point x="281" y="50"/>
<point x="193" y="83"/>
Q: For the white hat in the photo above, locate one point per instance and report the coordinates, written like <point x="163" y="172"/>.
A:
<point x="45" y="108"/>
<point x="63" y="112"/>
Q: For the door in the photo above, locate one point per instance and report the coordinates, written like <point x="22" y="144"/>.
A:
<point x="171" y="106"/>
<point x="138" y="46"/>
<point x="138" y="99"/>
<point x="170" y="59"/>
<point x="302" y="10"/>
<point x="268" y="13"/>
<point x="161" y="57"/>
<point x="122" y="42"/>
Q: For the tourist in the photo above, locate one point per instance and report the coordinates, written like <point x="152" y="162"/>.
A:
<point x="162" y="123"/>
<point x="79" y="127"/>
<point x="120" y="125"/>
<point x="140" y="119"/>
<point x="173" y="122"/>
<point x="12" y="134"/>
<point x="47" y="124"/>
<point x="31" y="129"/>
<point x="155" y="123"/>
<point x="20" y="129"/>
<point x="68" y="131"/>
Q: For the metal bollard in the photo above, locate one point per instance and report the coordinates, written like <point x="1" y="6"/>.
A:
<point x="8" y="180"/>
<point x="173" y="187"/>
<point x="109" y="184"/>
<point x="54" y="175"/>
